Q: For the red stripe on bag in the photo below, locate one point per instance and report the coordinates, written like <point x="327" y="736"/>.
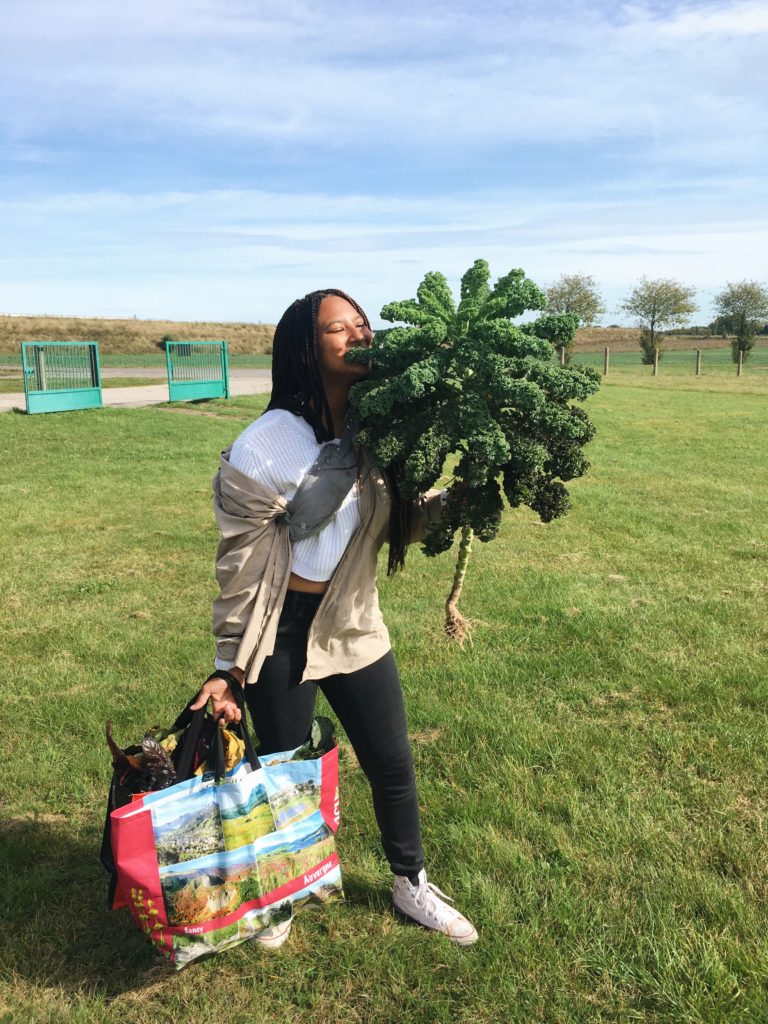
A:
<point x="133" y="847"/>
<point x="329" y="788"/>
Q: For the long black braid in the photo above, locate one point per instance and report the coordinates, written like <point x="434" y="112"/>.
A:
<point x="298" y="385"/>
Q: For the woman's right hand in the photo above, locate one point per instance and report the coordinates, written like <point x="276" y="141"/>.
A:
<point x="225" y="707"/>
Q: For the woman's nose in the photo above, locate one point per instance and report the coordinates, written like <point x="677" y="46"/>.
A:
<point x="365" y="336"/>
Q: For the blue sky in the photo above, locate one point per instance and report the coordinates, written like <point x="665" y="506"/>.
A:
<point x="213" y="159"/>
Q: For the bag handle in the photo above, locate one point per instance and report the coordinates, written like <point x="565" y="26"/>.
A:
<point x="250" y="751"/>
<point x="193" y="722"/>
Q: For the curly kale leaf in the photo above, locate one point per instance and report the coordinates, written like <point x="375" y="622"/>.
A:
<point x="434" y="295"/>
<point x="556" y="328"/>
<point x="512" y="295"/>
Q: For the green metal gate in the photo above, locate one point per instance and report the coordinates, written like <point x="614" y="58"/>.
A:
<point x="197" y="370"/>
<point x="61" y="375"/>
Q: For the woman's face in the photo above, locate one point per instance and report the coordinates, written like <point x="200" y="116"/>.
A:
<point x="339" y="328"/>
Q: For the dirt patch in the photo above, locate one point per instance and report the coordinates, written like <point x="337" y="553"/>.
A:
<point x="21" y="820"/>
<point x="614" y="697"/>
<point x="73" y="691"/>
<point x="426" y="735"/>
<point x="203" y="412"/>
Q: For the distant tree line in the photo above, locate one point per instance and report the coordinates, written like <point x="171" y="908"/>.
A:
<point x="661" y="305"/>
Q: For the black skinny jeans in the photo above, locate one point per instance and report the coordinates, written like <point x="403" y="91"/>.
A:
<point x="369" y="706"/>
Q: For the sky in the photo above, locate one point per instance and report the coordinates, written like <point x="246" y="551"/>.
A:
<point x="215" y="159"/>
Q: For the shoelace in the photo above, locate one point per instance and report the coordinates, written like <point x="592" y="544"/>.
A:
<point x="430" y="889"/>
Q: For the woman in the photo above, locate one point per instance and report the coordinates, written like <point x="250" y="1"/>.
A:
<point x="293" y="616"/>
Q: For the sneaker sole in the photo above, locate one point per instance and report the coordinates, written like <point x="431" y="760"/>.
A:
<point x="459" y="940"/>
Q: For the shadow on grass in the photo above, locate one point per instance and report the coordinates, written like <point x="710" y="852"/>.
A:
<point x="57" y="928"/>
<point x="360" y="892"/>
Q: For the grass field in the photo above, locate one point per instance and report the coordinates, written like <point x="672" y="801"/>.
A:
<point x="627" y="339"/>
<point x="678" y="362"/>
<point x="592" y="768"/>
<point x="11" y="384"/>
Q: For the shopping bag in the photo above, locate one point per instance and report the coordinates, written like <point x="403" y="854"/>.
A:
<point x="146" y="767"/>
<point x="208" y="863"/>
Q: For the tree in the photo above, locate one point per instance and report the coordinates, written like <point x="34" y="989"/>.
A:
<point x="723" y="326"/>
<point x="464" y="381"/>
<point x="658" y="305"/>
<point x="744" y="306"/>
<point x="576" y="293"/>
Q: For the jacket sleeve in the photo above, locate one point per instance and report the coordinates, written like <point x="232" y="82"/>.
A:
<point x="251" y="561"/>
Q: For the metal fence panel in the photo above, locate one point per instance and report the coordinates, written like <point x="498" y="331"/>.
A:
<point x="197" y="370"/>
<point x="61" y="375"/>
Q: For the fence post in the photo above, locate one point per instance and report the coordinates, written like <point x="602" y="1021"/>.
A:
<point x="741" y="363"/>
<point x="562" y="355"/>
<point x="93" y="365"/>
<point x="698" y="362"/>
<point x="225" y="367"/>
<point x="42" y="377"/>
<point x="606" y="361"/>
<point x="655" y="361"/>
<point x="169" y="369"/>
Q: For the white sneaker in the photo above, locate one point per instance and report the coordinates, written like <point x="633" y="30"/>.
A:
<point x="423" y="903"/>
<point x="274" y="937"/>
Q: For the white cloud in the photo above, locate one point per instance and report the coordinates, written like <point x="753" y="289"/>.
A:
<point x="444" y="101"/>
<point x="436" y="76"/>
<point x="740" y="19"/>
<point x="246" y="254"/>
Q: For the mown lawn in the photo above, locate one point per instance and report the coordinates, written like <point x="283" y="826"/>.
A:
<point x="143" y="359"/>
<point x="715" y="362"/>
<point x="592" y="768"/>
<point x="10" y="384"/>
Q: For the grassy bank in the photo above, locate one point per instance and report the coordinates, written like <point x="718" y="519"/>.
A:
<point x="130" y="337"/>
<point x="591" y="769"/>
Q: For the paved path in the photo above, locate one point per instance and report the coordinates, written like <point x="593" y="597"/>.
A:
<point x="241" y="382"/>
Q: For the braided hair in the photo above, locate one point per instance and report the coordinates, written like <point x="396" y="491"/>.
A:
<point x="297" y="385"/>
<point x="296" y="381"/>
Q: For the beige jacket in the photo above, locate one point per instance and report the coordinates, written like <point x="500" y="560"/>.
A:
<point x="253" y="563"/>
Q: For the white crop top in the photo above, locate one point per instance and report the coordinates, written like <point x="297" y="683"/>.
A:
<point x="278" y="449"/>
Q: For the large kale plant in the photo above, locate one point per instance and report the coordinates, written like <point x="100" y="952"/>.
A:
<point x="465" y="382"/>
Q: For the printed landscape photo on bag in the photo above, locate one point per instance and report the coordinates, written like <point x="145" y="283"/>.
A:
<point x="190" y="947"/>
<point x="245" y="811"/>
<point x="187" y="830"/>
<point x="293" y="852"/>
<point x="294" y="790"/>
<point x="201" y="890"/>
<point x="197" y="891"/>
<point x="323" y="884"/>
